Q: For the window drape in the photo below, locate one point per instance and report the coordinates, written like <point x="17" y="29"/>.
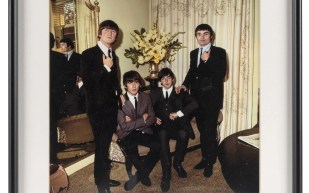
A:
<point x="234" y="24"/>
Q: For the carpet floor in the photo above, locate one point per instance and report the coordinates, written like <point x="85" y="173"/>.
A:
<point x="83" y="180"/>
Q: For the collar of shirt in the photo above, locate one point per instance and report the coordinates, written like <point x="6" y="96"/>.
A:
<point x="104" y="49"/>
<point x="132" y="98"/>
<point x="169" y="91"/>
<point x="206" y="48"/>
<point x="69" y="54"/>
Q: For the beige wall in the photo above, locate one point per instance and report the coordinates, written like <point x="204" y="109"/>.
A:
<point x="130" y="15"/>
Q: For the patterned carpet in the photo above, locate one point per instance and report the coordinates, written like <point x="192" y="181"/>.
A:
<point x="83" y="181"/>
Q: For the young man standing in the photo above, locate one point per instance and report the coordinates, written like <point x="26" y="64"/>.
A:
<point x="172" y="112"/>
<point x="57" y="95"/>
<point x="135" y="119"/>
<point x="205" y="80"/>
<point x="99" y="73"/>
<point x="74" y="102"/>
<point x="72" y="67"/>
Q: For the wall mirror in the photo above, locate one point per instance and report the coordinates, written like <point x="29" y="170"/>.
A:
<point x="64" y="20"/>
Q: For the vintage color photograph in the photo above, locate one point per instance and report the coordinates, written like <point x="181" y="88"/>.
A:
<point x="154" y="96"/>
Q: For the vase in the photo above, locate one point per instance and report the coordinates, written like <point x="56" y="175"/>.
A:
<point x="153" y="77"/>
<point x="153" y="70"/>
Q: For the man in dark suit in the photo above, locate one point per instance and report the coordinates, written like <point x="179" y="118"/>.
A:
<point x="99" y="73"/>
<point x="73" y="58"/>
<point x="57" y="94"/>
<point x="205" y="80"/>
<point x="172" y="112"/>
<point x="135" y="119"/>
<point x="74" y="102"/>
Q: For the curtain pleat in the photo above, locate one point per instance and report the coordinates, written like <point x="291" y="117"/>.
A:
<point x="234" y="26"/>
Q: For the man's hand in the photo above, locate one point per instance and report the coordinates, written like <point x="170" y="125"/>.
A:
<point x="173" y="116"/>
<point x="127" y="119"/>
<point x="205" y="56"/>
<point x="79" y="81"/>
<point x="158" y="121"/>
<point x="122" y="99"/>
<point x="107" y="61"/>
<point x="145" y="117"/>
<point x="179" y="88"/>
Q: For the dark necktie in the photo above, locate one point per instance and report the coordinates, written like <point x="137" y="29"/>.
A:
<point x="166" y="95"/>
<point x="201" y="61"/>
<point x="109" y="53"/>
<point x="136" y="104"/>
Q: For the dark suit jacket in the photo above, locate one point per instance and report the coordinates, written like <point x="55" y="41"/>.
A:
<point x="72" y="68"/>
<point x="206" y="81"/>
<point x="57" y="76"/>
<point x="102" y="87"/>
<point x="176" y="102"/>
<point x="137" y="121"/>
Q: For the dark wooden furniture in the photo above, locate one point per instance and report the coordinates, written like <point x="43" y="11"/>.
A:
<point x="153" y="83"/>
<point x="240" y="162"/>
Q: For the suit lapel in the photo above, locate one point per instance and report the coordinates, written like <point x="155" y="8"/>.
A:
<point x="140" y="103"/>
<point x="128" y="108"/>
<point x="173" y="94"/>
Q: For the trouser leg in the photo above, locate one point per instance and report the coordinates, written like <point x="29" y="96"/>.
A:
<point x="165" y="149"/>
<point x="203" y="136"/>
<point x="154" y="154"/>
<point x="131" y="150"/>
<point x="207" y="123"/>
<point x="181" y="145"/>
<point x="103" y="136"/>
<point x="54" y="145"/>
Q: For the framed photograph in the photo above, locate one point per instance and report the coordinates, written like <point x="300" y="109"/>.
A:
<point x="279" y="109"/>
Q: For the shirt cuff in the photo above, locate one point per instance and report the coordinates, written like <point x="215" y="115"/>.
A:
<point x="106" y="67"/>
<point x="180" y="114"/>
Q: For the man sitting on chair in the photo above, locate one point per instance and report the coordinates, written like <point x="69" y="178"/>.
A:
<point x="135" y="119"/>
<point x="172" y="112"/>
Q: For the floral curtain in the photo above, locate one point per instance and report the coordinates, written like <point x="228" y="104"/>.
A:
<point x="234" y="25"/>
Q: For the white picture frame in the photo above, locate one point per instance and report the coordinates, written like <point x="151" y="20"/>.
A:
<point x="275" y="96"/>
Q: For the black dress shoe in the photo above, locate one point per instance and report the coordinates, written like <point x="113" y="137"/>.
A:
<point x="200" y="165"/>
<point x="208" y="171"/>
<point x="131" y="183"/>
<point x="146" y="181"/>
<point x="114" y="183"/>
<point x="180" y="170"/>
<point x="165" y="185"/>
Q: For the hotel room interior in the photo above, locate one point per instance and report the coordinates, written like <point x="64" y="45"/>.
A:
<point x="236" y="26"/>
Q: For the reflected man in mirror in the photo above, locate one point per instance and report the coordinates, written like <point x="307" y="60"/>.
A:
<point x="57" y="95"/>
<point x="74" y="102"/>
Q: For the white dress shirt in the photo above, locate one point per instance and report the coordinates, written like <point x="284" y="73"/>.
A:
<point x="132" y="98"/>
<point x="179" y="113"/>
<point x="206" y="48"/>
<point x="105" y="50"/>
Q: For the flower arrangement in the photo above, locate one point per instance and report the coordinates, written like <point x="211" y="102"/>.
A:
<point x="153" y="47"/>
